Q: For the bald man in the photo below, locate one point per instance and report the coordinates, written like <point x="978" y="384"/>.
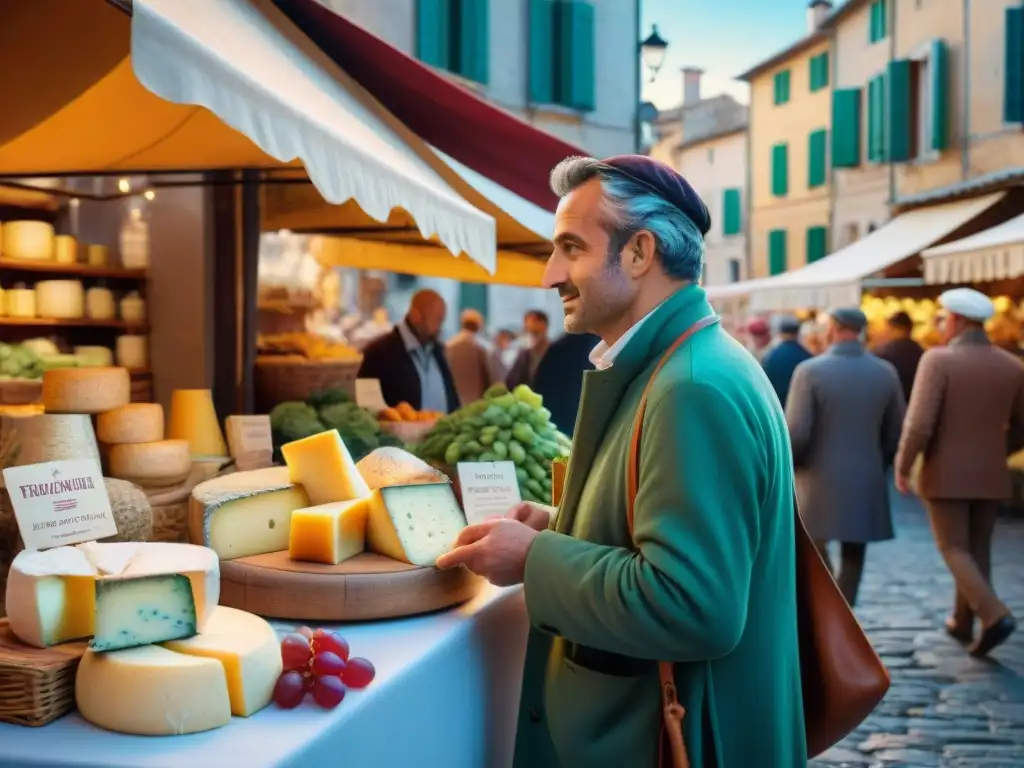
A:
<point x="410" y="362"/>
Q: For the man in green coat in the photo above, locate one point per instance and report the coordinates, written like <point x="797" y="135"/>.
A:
<point x="708" y="579"/>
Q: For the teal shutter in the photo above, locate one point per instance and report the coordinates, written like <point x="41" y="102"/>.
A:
<point x="474" y="296"/>
<point x="876" y="120"/>
<point x="817" y="243"/>
<point x="846" y="128"/>
<point x="575" y="32"/>
<point x="781" y="84"/>
<point x="816" y="148"/>
<point x="899" y="143"/>
<point x="433" y="41"/>
<point x="732" y="220"/>
<point x="938" y="73"/>
<point x="883" y="19"/>
<point x="873" y="23"/>
<point x="474" y="39"/>
<point x="1013" y="67"/>
<point x="780" y="170"/>
<point x="542" y="52"/>
<point x="877" y="29"/>
<point x="776" y="252"/>
<point x="819" y="72"/>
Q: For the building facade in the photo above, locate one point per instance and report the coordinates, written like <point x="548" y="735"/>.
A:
<point x="790" y="185"/>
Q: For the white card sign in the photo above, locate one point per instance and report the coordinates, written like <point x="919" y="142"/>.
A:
<point x="60" y="503"/>
<point x="370" y="396"/>
<point x="250" y="441"/>
<point x="489" y="489"/>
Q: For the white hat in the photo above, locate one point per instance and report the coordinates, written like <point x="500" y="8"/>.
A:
<point x="968" y="303"/>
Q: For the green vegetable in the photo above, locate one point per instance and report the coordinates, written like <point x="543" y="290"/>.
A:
<point x="524" y="433"/>
<point x="452" y="454"/>
<point x="294" y="420"/>
<point x="516" y="452"/>
<point x="500" y="450"/>
<point x="325" y="397"/>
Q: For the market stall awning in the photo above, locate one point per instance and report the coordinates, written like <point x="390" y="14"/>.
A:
<point x="735" y="291"/>
<point x="996" y="253"/>
<point x="213" y="84"/>
<point x="838" y="279"/>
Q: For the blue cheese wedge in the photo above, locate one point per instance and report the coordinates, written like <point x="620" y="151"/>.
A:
<point x="414" y="523"/>
<point x="141" y="611"/>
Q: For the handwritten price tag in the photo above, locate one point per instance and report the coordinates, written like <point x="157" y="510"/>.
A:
<point x="249" y="441"/>
<point x="489" y="489"/>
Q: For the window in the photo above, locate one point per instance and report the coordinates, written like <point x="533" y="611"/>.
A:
<point x="1013" y="67"/>
<point x="878" y="23"/>
<point x="776" y="252"/>
<point x="817" y="243"/>
<point x="819" y="72"/>
<point x="816" y="161"/>
<point x="562" y="56"/>
<point x="780" y="170"/>
<point x="782" y="87"/>
<point x="454" y="35"/>
<point x="734" y="270"/>
<point x="732" y="218"/>
<point x="876" y="119"/>
<point x="918" y="104"/>
<point x="846" y="128"/>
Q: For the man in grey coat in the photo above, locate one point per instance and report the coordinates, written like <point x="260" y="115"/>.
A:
<point x="845" y="412"/>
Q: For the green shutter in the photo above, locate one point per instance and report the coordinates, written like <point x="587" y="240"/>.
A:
<point x="873" y="23"/>
<point x="776" y="251"/>
<point x="899" y="140"/>
<point x="938" y="74"/>
<point x="819" y="72"/>
<point x="876" y="120"/>
<point x="781" y="83"/>
<point x="474" y="31"/>
<point x="433" y="40"/>
<point x="1013" y="67"/>
<point x="816" y="149"/>
<point x="846" y="128"/>
<point x="574" y="30"/>
<point x="542" y="52"/>
<point x="877" y="29"/>
<point x="732" y="219"/>
<point x="474" y="296"/>
<point x="780" y="170"/>
<point x="817" y="243"/>
<point x="883" y="19"/>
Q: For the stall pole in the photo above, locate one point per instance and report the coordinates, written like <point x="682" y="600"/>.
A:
<point x="225" y="295"/>
<point x="250" y="282"/>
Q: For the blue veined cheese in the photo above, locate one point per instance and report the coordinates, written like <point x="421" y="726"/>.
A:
<point x="142" y="611"/>
<point x="414" y="523"/>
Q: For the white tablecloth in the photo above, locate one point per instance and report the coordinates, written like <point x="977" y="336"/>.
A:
<point x="446" y="694"/>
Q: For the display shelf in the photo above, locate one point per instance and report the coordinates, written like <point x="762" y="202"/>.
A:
<point x="73" y="270"/>
<point x="48" y="322"/>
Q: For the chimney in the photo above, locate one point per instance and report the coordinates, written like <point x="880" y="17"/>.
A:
<point x="817" y="12"/>
<point x="691" y="85"/>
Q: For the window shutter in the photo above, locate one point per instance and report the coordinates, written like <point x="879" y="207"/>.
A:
<point x="876" y="119"/>
<point x="898" y="108"/>
<point x="781" y="84"/>
<point x="938" y="72"/>
<point x="542" y="52"/>
<point x="776" y="251"/>
<point x="846" y="128"/>
<point x="732" y="222"/>
<point x="777" y="84"/>
<point x="1013" y="67"/>
<point x="474" y="296"/>
<point x="816" y="148"/>
<point x="819" y="72"/>
<point x="780" y="170"/>
<point x="873" y="23"/>
<point x="817" y="243"/>
<point x="432" y="32"/>
<point x="474" y="39"/>
<point x="575" y="32"/>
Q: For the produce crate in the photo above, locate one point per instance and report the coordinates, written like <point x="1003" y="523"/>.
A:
<point x="37" y="685"/>
<point x="279" y="379"/>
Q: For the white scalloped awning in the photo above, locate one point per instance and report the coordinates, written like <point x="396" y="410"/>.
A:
<point x="246" y="63"/>
<point x="996" y="253"/>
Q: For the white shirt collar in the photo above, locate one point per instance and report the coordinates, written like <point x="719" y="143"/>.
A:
<point x="409" y="338"/>
<point x="602" y="356"/>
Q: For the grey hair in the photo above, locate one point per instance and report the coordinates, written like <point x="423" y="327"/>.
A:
<point x="630" y="207"/>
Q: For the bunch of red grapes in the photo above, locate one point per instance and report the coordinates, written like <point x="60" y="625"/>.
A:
<point x="317" y="662"/>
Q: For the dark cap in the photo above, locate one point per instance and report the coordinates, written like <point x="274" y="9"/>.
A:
<point x="664" y="182"/>
<point x="901" y="320"/>
<point x="850" y="318"/>
<point x="786" y="324"/>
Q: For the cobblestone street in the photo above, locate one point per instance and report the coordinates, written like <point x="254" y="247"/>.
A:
<point x="944" y="708"/>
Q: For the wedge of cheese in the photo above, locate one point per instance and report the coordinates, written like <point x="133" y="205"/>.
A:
<point x="51" y="595"/>
<point x="414" y="523"/>
<point x="329" y="533"/>
<point x="393" y="466"/>
<point x="141" y="611"/>
<point x="245" y="513"/>
<point x="248" y="649"/>
<point x="323" y="466"/>
<point x="152" y="691"/>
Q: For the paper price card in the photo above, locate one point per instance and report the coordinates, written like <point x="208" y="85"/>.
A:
<point x="250" y="441"/>
<point x="370" y="396"/>
<point x="60" y="503"/>
<point x="489" y="489"/>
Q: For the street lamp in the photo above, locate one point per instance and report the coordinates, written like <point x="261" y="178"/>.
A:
<point x="652" y="51"/>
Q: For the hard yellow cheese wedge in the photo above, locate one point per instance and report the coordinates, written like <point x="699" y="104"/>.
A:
<point x="329" y="533"/>
<point x="323" y="466"/>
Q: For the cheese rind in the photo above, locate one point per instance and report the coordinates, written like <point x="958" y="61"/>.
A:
<point x="151" y="464"/>
<point x="323" y="466"/>
<point x="245" y="513"/>
<point x="142" y="611"/>
<point x="393" y="466"/>
<point x="414" y="523"/>
<point x="132" y="423"/>
<point x="152" y="691"/>
<point x="85" y="390"/>
<point x="329" y="533"/>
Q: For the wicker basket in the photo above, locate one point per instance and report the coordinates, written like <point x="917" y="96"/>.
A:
<point x="37" y="685"/>
<point x="290" y="377"/>
<point x="408" y="432"/>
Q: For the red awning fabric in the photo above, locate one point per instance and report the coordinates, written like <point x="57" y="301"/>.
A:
<point x="455" y="120"/>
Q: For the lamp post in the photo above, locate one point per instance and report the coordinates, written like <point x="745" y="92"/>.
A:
<point x="652" y="56"/>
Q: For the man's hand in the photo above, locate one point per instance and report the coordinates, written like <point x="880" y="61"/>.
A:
<point x="495" y="549"/>
<point x="903" y="484"/>
<point x="533" y="515"/>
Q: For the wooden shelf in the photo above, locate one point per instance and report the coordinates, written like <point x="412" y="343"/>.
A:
<point x="48" y="322"/>
<point x="74" y="270"/>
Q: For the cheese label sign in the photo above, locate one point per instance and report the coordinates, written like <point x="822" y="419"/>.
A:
<point x="250" y="441"/>
<point x="489" y="489"/>
<point x="370" y="396"/>
<point x="58" y="503"/>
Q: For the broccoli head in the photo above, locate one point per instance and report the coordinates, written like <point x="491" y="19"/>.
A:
<point x="294" y="421"/>
<point x="325" y="397"/>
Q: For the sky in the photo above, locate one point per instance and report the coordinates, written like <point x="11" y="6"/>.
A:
<point x="722" y="37"/>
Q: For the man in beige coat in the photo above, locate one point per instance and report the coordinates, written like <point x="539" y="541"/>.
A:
<point x="966" y="415"/>
<point x="469" y="360"/>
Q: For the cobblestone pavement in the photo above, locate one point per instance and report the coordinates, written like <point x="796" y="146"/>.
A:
<point x="944" y="708"/>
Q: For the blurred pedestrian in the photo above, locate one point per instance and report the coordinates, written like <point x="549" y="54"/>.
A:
<point x="902" y="351"/>
<point x="783" y="358"/>
<point x="758" y="338"/>
<point x="535" y="325"/>
<point x="845" y="410"/>
<point x="559" y="378"/>
<point x="502" y="353"/>
<point x="965" y="395"/>
<point x="468" y="358"/>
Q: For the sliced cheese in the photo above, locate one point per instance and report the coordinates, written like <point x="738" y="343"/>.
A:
<point x="132" y="423"/>
<point x="141" y="611"/>
<point x="393" y="466"/>
<point x="152" y="691"/>
<point x="85" y="390"/>
<point x="194" y="420"/>
<point x="151" y="465"/>
<point x="245" y="513"/>
<point x="414" y="523"/>
<point x="323" y="466"/>
<point x="248" y="649"/>
<point x="329" y="533"/>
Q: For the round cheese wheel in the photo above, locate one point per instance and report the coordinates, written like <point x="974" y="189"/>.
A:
<point x="132" y="423"/>
<point x="86" y="390"/>
<point x="151" y="465"/>
<point x="30" y="240"/>
<point x="60" y="299"/>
